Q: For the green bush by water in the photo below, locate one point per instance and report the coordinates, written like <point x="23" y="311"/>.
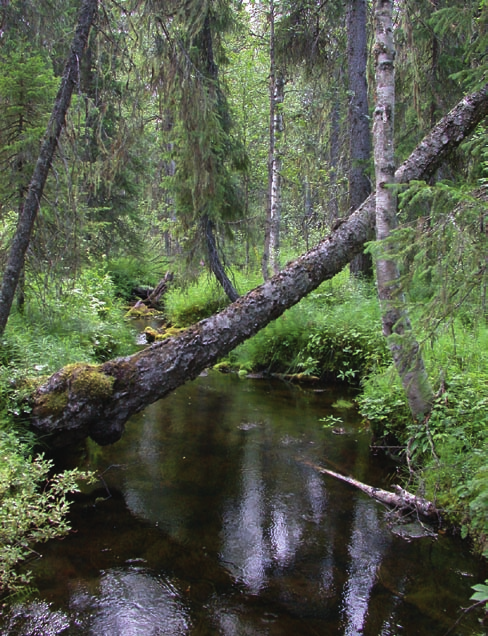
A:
<point x="81" y="322"/>
<point x="33" y="507"/>
<point x="447" y="454"/>
<point x="334" y="331"/>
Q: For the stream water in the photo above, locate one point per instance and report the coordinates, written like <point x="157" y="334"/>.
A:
<point x="207" y="520"/>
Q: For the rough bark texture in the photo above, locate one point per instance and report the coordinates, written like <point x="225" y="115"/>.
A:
<point x="25" y="225"/>
<point x="215" y="264"/>
<point x="82" y="401"/>
<point x="396" y="324"/>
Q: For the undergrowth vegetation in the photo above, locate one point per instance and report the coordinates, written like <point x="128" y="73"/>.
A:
<point x="333" y="332"/>
<point x="80" y="321"/>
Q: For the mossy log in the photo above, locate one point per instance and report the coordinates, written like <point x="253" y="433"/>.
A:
<point x="149" y="375"/>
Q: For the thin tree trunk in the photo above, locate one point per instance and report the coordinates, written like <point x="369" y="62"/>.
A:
<point x="358" y="119"/>
<point x="81" y="401"/>
<point x="273" y="211"/>
<point x="215" y="264"/>
<point x="396" y="324"/>
<point x="25" y="225"/>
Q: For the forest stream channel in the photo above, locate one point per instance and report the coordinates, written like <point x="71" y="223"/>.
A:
<point x="206" y="520"/>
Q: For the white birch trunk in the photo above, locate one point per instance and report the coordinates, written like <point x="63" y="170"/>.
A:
<point x="396" y="324"/>
<point x="276" y="164"/>
<point x="273" y="212"/>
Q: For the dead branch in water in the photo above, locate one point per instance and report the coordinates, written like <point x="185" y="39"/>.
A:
<point x="402" y="499"/>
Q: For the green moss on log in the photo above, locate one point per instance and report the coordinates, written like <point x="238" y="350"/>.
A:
<point x="52" y="403"/>
<point x="87" y="381"/>
<point x="90" y="382"/>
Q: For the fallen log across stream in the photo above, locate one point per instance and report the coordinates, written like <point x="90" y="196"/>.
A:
<point x="402" y="500"/>
<point x="84" y="400"/>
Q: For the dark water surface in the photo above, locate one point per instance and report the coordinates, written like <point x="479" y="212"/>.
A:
<point x="214" y="525"/>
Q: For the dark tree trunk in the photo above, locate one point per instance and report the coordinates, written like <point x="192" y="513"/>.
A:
<point x="82" y="400"/>
<point x="208" y="227"/>
<point x="25" y="225"/>
<point x="215" y="263"/>
<point x="358" y="119"/>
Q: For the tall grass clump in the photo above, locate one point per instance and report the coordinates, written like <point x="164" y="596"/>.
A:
<point x="188" y="303"/>
<point x="334" y="331"/>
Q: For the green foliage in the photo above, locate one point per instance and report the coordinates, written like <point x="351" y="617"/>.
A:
<point x="329" y="421"/>
<point x="481" y="593"/>
<point x="334" y="331"/>
<point x="442" y="245"/>
<point x="128" y="272"/>
<point x="275" y="347"/>
<point x="383" y="404"/>
<point x="468" y="23"/>
<point x="446" y="453"/>
<point x="33" y="507"/>
<point x="188" y="303"/>
<point x="195" y="301"/>
<point x="78" y="320"/>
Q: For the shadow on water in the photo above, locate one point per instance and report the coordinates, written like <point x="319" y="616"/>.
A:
<point x="207" y="521"/>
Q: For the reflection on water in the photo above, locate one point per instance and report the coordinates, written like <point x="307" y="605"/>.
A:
<point x="366" y="549"/>
<point x="214" y="525"/>
<point x="132" y="602"/>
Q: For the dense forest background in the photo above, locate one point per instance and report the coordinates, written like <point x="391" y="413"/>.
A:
<point x="218" y="140"/>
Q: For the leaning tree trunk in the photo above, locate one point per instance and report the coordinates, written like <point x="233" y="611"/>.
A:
<point x="396" y="324"/>
<point x="83" y="400"/>
<point x="214" y="261"/>
<point x="25" y="224"/>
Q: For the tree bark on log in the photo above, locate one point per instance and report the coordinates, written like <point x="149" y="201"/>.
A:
<point x="401" y="500"/>
<point x="83" y="400"/>
<point x="27" y="217"/>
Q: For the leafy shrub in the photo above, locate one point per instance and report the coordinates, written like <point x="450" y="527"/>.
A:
<point x="80" y="321"/>
<point x="33" y="507"/>
<point x="382" y="403"/>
